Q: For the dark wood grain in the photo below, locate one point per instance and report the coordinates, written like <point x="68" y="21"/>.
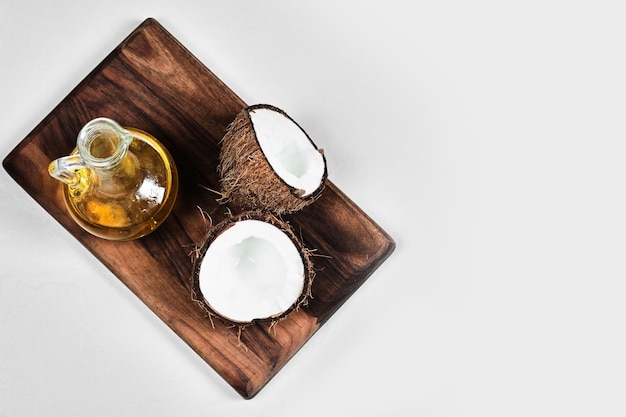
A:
<point x="150" y="81"/>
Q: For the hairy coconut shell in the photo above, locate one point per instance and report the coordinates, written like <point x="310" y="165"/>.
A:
<point x="246" y="177"/>
<point x="215" y="232"/>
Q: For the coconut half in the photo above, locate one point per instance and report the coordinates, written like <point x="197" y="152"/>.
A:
<point x="269" y="163"/>
<point x="251" y="268"/>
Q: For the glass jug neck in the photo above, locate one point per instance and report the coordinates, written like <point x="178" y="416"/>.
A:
<point x="103" y="143"/>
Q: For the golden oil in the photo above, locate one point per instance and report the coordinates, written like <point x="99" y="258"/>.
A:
<point x="126" y="199"/>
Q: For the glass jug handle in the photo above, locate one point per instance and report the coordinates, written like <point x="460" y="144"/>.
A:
<point x="66" y="169"/>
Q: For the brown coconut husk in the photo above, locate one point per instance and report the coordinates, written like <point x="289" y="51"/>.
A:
<point x="305" y="254"/>
<point x="246" y="177"/>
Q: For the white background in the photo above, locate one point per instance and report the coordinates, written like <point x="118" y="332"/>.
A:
<point x="487" y="137"/>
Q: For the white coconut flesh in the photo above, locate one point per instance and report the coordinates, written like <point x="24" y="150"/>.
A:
<point x="251" y="271"/>
<point x="288" y="150"/>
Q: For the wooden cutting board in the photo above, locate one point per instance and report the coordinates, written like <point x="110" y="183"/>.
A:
<point x="151" y="82"/>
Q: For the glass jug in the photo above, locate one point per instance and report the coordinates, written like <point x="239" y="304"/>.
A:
<point x="119" y="183"/>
